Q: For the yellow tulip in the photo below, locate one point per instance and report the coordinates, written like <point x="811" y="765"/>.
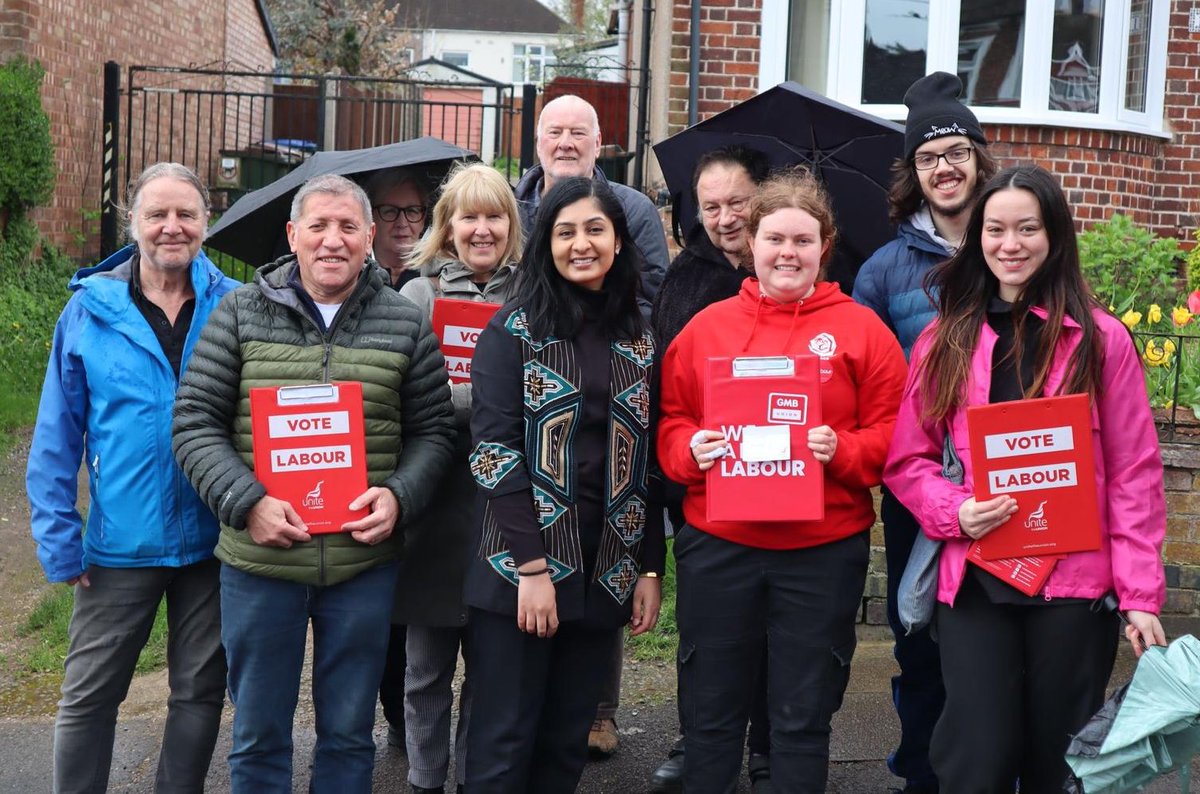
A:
<point x="1180" y="316"/>
<point x="1156" y="356"/>
<point x="1154" y="313"/>
<point x="1131" y="319"/>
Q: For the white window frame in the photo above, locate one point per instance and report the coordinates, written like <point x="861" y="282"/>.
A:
<point x="847" y="19"/>
<point x="546" y="57"/>
<point x="465" y="53"/>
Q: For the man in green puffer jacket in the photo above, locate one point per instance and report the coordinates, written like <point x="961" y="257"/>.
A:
<point x="325" y="313"/>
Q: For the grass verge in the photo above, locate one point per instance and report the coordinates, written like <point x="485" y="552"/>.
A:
<point x="46" y="627"/>
<point x="31" y="299"/>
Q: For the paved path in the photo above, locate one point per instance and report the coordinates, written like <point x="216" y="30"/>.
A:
<point x="863" y="732"/>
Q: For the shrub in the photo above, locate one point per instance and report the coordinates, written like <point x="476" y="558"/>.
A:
<point x="27" y="168"/>
<point x="1127" y="266"/>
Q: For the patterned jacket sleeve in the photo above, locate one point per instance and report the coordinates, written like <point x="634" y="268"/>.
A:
<point x="498" y="431"/>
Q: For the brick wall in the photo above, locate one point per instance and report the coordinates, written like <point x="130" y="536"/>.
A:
<point x="73" y="38"/>
<point x="730" y="31"/>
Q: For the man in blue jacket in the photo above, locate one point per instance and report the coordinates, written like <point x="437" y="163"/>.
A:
<point x="934" y="187"/>
<point x="119" y="348"/>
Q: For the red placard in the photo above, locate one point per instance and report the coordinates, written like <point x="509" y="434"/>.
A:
<point x="1027" y="574"/>
<point x="1040" y="453"/>
<point x="309" y="450"/>
<point x="458" y="324"/>
<point x="744" y="397"/>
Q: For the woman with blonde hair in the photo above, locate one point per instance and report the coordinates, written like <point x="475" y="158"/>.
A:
<point x="470" y="253"/>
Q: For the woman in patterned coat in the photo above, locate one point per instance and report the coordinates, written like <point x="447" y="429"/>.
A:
<point x="568" y="546"/>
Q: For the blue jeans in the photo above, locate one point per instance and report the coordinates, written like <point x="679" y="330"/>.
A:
<point x="264" y="627"/>
<point x="109" y="627"/>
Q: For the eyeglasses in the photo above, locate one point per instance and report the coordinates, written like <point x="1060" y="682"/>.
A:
<point x="390" y="212"/>
<point x="926" y="162"/>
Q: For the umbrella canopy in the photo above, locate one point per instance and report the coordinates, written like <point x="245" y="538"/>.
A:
<point x="1149" y="727"/>
<point x="850" y="151"/>
<point x="252" y="228"/>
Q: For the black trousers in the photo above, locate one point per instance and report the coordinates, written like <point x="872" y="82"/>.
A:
<point x="758" y="740"/>
<point x="391" y="687"/>
<point x="534" y="703"/>
<point x="917" y="692"/>
<point x="804" y="603"/>
<point x="1019" y="681"/>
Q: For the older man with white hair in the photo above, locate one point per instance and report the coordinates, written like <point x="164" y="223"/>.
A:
<point x="324" y="312"/>
<point x="119" y="347"/>
<point x="568" y="142"/>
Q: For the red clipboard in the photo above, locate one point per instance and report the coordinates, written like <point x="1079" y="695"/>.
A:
<point x="458" y="324"/>
<point x="1040" y="453"/>
<point x="757" y="402"/>
<point x="310" y="450"/>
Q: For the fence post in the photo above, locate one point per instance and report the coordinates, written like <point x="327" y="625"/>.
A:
<point x="321" y="87"/>
<point x="109" y="171"/>
<point x="528" y="121"/>
<point x="643" y="114"/>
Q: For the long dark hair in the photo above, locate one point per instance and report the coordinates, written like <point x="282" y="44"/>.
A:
<point x="963" y="285"/>
<point x="553" y="305"/>
<point x="905" y="196"/>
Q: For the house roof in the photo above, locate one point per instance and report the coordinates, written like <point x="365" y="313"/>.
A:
<point x="500" y="16"/>
<point x="264" y="16"/>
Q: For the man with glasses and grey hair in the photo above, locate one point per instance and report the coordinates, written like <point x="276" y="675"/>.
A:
<point x="400" y="204"/>
<point x="325" y="312"/>
<point x="934" y="187"/>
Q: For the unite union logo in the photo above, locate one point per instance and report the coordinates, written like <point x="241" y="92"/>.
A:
<point x="313" y="500"/>
<point x="1037" y="519"/>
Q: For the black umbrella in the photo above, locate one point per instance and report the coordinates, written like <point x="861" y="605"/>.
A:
<point x="850" y="151"/>
<point x="252" y="228"/>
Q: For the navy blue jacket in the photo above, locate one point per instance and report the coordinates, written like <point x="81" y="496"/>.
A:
<point x="890" y="283"/>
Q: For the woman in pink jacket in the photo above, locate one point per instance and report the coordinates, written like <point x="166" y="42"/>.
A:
<point x="1016" y="321"/>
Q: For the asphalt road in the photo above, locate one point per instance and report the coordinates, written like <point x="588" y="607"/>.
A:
<point x="863" y="732"/>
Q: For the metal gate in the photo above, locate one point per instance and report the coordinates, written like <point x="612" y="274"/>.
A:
<point x="240" y="130"/>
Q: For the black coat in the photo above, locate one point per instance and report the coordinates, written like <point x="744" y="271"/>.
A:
<point x="699" y="275"/>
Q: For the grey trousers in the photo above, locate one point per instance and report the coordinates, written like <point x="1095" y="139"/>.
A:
<point x="428" y="701"/>
<point x="110" y="625"/>
<point x="610" y="696"/>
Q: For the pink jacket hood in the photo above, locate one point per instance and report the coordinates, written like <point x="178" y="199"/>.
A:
<point x="1129" y="472"/>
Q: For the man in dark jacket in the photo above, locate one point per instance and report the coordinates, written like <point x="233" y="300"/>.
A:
<point x="323" y="314"/>
<point x="568" y="141"/>
<point x="934" y="187"/>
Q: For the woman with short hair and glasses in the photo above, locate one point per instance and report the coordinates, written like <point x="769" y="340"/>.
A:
<point x="399" y="204"/>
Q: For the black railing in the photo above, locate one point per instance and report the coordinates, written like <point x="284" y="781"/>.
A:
<point x="241" y="130"/>
<point x="1172" y="367"/>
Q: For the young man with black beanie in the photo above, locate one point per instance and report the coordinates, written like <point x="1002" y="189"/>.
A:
<point x="934" y="187"/>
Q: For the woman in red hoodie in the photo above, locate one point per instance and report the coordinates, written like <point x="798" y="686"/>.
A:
<point x="797" y="584"/>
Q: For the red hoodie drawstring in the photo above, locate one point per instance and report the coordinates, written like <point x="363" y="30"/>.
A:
<point x="754" y="326"/>
<point x="757" y="311"/>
